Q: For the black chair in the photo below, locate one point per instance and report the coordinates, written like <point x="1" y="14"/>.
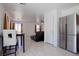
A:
<point x="38" y="37"/>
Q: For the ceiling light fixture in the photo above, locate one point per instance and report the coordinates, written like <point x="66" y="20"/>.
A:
<point x="22" y="3"/>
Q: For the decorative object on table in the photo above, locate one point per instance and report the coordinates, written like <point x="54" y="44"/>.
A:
<point x="5" y="22"/>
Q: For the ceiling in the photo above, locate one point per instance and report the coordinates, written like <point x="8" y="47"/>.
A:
<point x="32" y="9"/>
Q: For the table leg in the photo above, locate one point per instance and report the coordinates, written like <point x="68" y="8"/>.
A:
<point x="21" y="40"/>
<point x="23" y="43"/>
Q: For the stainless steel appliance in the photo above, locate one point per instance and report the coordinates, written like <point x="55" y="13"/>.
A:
<point x="68" y="33"/>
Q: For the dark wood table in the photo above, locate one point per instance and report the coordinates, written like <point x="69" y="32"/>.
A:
<point x="22" y="40"/>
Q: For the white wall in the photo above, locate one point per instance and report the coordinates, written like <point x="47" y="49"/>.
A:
<point x="28" y="29"/>
<point x="1" y="17"/>
<point x="50" y="27"/>
<point x="70" y="11"/>
<point x="1" y="23"/>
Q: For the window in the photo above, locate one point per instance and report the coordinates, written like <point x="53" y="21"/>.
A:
<point x="18" y="27"/>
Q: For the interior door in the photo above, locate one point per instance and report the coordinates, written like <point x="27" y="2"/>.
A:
<point x="62" y="30"/>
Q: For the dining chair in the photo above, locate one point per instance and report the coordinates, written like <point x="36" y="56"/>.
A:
<point x="9" y="42"/>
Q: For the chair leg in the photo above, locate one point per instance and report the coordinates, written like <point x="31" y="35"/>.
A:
<point x="16" y="46"/>
<point x="15" y="53"/>
<point x="4" y="51"/>
<point x="15" y="49"/>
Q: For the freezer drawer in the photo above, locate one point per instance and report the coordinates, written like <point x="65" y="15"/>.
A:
<point x="71" y="43"/>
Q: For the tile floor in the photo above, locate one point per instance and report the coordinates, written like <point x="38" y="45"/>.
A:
<point x="43" y="49"/>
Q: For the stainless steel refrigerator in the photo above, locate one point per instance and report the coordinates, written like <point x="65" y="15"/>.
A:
<point x="67" y="33"/>
<point x="71" y="33"/>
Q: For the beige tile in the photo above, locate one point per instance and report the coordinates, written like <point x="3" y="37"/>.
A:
<point x="43" y="49"/>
